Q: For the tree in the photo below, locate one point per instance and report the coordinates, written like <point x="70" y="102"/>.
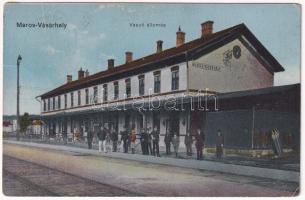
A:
<point x="24" y="122"/>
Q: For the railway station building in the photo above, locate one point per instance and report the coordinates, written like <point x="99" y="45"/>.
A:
<point x="222" y="80"/>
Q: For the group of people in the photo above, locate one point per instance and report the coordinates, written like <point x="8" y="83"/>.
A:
<point x="198" y="137"/>
<point x="171" y="139"/>
<point x="150" y="142"/>
<point x="110" y="141"/>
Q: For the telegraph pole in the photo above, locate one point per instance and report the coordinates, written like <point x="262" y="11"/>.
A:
<point x="18" y="94"/>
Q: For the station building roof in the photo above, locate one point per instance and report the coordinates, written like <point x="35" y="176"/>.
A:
<point x="187" y="51"/>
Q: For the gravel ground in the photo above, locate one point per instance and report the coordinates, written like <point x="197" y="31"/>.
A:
<point x="21" y="178"/>
<point x="136" y="177"/>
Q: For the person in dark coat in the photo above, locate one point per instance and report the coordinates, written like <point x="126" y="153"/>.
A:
<point x="115" y="137"/>
<point x="108" y="140"/>
<point x="149" y="141"/>
<point x="125" y="140"/>
<point x="167" y="141"/>
<point x="132" y="139"/>
<point x="155" y="138"/>
<point x="199" y="143"/>
<point x="188" y="141"/>
<point x="176" y="142"/>
<point x="89" y="138"/>
<point x="144" y="141"/>
<point x="142" y="136"/>
<point x="64" y="134"/>
<point x="219" y="144"/>
<point x="101" y="134"/>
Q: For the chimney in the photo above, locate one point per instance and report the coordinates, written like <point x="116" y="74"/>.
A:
<point x="180" y="37"/>
<point x="159" y="46"/>
<point x="206" y="28"/>
<point x="128" y="56"/>
<point x="81" y="73"/>
<point x="69" y="78"/>
<point x="87" y="73"/>
<point x="110" y="63"/>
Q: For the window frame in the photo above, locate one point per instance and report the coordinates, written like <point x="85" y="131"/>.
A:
<point x="105" y="92"/>
<point x="72" y="99"/>
<point x="58" y="102"/>
<point x="175" y="79"/>
<point x="95" y="94"/>
<point x="87" y="96"/>
<point x="49" y="102"/>
<point x="44" y="105"/>
<point x="66" y="101"/>
<point x="141" y="79"/>
<point x="115" y="90"/>
<point x="128" y="87"/>
<point x="79" y="96"/>
<point x="157" y="83"/>
<point x="53" y="103"/>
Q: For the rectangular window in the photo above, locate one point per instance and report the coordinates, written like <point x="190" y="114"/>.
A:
<point x="95" y="94"/>
<point x="128" y="88"/>
<point x="72" y="99"/>
<point x="58" y="102"/>
<point x="175" y="78"/>
<point x="157" y="82"/>
<point x="105" y="94"/>
<point x="87" y="96"/>
<point x="44" y="105"/>
<point x="66" y="101"/>
<point x="54" y="103"/>
<point x="78" y="97"/>
<point x="116" y="90"/>
<point x="141" y="85"/>
<point x="48" y="104"/>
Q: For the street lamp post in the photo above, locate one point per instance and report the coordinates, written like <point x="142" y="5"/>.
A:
<point x="18" y="92"/>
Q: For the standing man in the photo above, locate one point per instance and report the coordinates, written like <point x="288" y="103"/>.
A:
<point x="149" y="141"/>
<point x="167" y="141"/>
<point x="101" y="139"/>
<point x="155" y="138"/>
<point x="144" y="142"/>
<point x="125" y="140"/>
<point x="120" y="142"/>
<point x="89" y="137"/>
<point x="108" y="141"/>
<point x="188" y="141"/>
<point x="64" y="134"/>
<point x="219" y="144"/>
<point x="133" y="138"/>
<point x="199" y="143"/>
<point x="114" y="135"/>
<point x="176" y="142"/>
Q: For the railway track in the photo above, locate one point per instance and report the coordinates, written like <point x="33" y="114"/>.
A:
<point x="23" y="178"/>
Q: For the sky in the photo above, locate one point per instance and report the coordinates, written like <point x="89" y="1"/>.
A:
<point x="96" y="32"/>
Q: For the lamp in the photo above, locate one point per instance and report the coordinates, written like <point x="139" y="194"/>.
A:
<point x="19" y="59"/>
